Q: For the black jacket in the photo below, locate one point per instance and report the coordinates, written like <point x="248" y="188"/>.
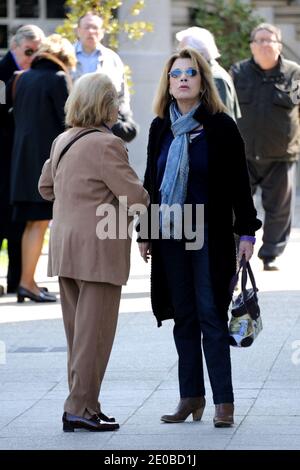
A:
<point x="228" y="192"/>
<point x="7" y="69"/>
<point x="270" y="119"/>
<point x="41" y="93"/>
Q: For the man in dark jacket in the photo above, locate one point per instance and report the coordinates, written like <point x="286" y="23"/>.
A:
<point x="19" y="57"/>
<point x="271" y="130"/>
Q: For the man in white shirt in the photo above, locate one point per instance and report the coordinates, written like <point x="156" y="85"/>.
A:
<point x="92" y="56"/>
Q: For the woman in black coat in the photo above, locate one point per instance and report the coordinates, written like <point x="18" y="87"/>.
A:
<point x="196" y="157"/>
<point x="38" y="106"/>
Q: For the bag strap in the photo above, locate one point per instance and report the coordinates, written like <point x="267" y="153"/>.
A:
<point x="246" y="269"/>
<point x="66" y="148"/>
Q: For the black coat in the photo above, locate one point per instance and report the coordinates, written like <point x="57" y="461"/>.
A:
<point x="7" y="69"/>
<point x="228" y="193"/>
<point x="41" y="93"/>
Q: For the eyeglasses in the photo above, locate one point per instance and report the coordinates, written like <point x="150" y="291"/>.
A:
<point x="176" y="73"/>
<point x="29" y="52"/>
<point x="265" y="41"/>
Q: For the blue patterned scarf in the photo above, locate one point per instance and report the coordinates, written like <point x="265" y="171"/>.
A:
<point x="173" y="188"/>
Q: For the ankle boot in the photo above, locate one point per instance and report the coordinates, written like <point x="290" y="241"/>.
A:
<point x="224" y="415"/>
<point x="186" y="406"/>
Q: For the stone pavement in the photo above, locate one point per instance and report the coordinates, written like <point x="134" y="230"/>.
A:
<point x="141" y="381"/>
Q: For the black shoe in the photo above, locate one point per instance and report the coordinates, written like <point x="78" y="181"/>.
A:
<point x="41" y="297"/>
<point x="108" y="419"/>
<point x="72" y="422"/>
<point x="269" y="264"/>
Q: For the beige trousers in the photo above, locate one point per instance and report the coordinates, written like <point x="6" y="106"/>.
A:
<point x="90" y="313"/>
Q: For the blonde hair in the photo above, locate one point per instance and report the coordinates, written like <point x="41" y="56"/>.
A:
<point x="59" y="47"/>
<point x="91" y="101"/>
<point x="208" y="93"/>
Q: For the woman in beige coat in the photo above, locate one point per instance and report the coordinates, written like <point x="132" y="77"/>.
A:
<point x="93" y="187"/>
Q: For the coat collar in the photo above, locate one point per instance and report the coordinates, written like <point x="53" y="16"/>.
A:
<point x="203" y="115"/>
<point x="45" y="56"/>
<point x="276" y="70"/>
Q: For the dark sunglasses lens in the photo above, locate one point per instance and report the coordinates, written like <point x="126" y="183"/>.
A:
<point x="29" y="52"/>
<point x="191" y="72"/>
<point x="175" y="73"/>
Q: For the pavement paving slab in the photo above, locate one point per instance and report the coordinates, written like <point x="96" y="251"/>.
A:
<point x="141" y="380"/>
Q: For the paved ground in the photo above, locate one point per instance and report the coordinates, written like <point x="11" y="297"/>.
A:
<point x="141" y="381"/>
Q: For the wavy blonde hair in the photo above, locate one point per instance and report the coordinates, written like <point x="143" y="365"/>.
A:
<point x="208" y="93"/>
<point x="91" y="101"/>
<point x="59" y="47"/>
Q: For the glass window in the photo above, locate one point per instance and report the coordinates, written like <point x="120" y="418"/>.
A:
<point x="56" y="9"/>
<point x="27" y="9"/>
<point x="3" y="36"/>
<point x="3" y="8"/>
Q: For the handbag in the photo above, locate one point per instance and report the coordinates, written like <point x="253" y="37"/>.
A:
<point x="245" y="323"/>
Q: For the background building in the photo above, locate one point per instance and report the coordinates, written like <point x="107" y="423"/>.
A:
<point x="146" y="56"/>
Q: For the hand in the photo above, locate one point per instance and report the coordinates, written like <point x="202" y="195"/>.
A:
<point x="245" y="248"/>
<point x="145" y="250"/>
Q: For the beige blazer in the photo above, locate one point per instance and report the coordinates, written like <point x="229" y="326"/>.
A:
<point x="94" y="171"/>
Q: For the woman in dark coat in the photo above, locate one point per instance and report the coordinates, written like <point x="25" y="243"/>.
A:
<point x="196" y="156"/>
<point x="38" y="107"/>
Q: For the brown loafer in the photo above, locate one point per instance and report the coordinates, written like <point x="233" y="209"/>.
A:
<point x="224" y="415"/>
<point x="186" y="407"/>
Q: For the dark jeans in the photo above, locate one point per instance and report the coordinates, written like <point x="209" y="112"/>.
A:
<point x="196" y="316"/>
<point x="278" y="184"/>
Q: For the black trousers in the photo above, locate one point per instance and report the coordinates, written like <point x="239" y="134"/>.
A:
<point x="13" y="232"/>
<point x="196" y="317"/>
<point x="277" y="181"/>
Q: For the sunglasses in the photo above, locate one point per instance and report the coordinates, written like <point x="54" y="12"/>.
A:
<point x="176" y="73"/>
<point x="29" y="52"/>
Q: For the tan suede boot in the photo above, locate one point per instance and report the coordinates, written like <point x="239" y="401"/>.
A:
<point x="224" y="415"/>
<point x="186" y="406"/>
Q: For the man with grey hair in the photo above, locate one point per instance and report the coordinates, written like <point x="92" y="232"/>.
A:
<point x="92" y="56"/>
<point x="22" y="48"/>
<point x="271" y="131"/>
<point x="204" y="42"/>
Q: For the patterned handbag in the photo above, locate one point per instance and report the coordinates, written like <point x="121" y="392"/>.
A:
<point x="245" y="323"/>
